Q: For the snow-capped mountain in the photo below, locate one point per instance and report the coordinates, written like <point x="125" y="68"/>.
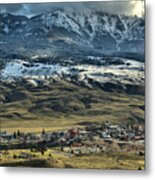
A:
<point x="98" y="31"/>
<point x="93" y="50"/>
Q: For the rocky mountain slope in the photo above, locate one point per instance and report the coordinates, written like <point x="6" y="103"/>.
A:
<point x="97" y="32"/>
<point x="60" y="64"/>
<point x="92" y="50"/>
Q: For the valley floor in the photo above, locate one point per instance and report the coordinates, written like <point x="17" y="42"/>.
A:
<point x="54" y="158"/>
<point x="61" y="106"/>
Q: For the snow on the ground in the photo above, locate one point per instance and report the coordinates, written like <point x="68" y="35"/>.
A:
<point x="121" y="73"/>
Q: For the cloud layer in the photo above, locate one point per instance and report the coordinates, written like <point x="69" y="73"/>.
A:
<point x="129" y="7"/>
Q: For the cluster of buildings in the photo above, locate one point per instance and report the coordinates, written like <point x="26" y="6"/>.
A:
<point x="92" y="138"/>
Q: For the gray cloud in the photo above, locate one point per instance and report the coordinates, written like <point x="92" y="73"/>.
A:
<point x="11" y="7"/>
<point x="115" y="7"/>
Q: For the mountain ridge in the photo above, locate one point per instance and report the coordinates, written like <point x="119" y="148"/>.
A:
<point x="99" y="31"/>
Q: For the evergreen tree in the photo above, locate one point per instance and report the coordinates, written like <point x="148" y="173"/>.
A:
<point x="43" y="131"/>
<point x="18" y="133"/>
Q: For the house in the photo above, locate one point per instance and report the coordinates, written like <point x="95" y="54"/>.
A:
<point x="106" y="124"/>
<point x="73" y="132"/>
<point x="93" y="128"/>
<point x="104" y="135"/>
<point x="2" y="133"/>
<point x="76" y="151"/>
<point x="6" y="137"/>
<point x="2" y="140"/>
<point x="25" y="155"/>
<point x="113" y="127"/>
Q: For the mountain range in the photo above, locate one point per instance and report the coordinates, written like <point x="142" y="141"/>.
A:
<point x="66" y="63"/>
<point x="97" y="32"/>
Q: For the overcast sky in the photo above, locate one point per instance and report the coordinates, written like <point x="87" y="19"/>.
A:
<point x="127" y="7"/>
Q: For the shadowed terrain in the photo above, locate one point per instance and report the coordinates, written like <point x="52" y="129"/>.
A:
<point x="61" y="104"/>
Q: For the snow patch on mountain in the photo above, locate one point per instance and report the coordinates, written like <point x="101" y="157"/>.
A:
<point x="60" y="19"/>
<point x="130" y="72"/>
<point x="98" y="30"/>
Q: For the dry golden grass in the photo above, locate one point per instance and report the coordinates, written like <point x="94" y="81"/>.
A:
<point x="114" y="107"/>
<point x="109" y="106"/>
<point x="117" y="160"/>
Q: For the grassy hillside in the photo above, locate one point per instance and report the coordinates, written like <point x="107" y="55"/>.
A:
<point x="60" y="105"/>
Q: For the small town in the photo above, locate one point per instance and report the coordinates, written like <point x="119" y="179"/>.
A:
<point x="93" y="138"/>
